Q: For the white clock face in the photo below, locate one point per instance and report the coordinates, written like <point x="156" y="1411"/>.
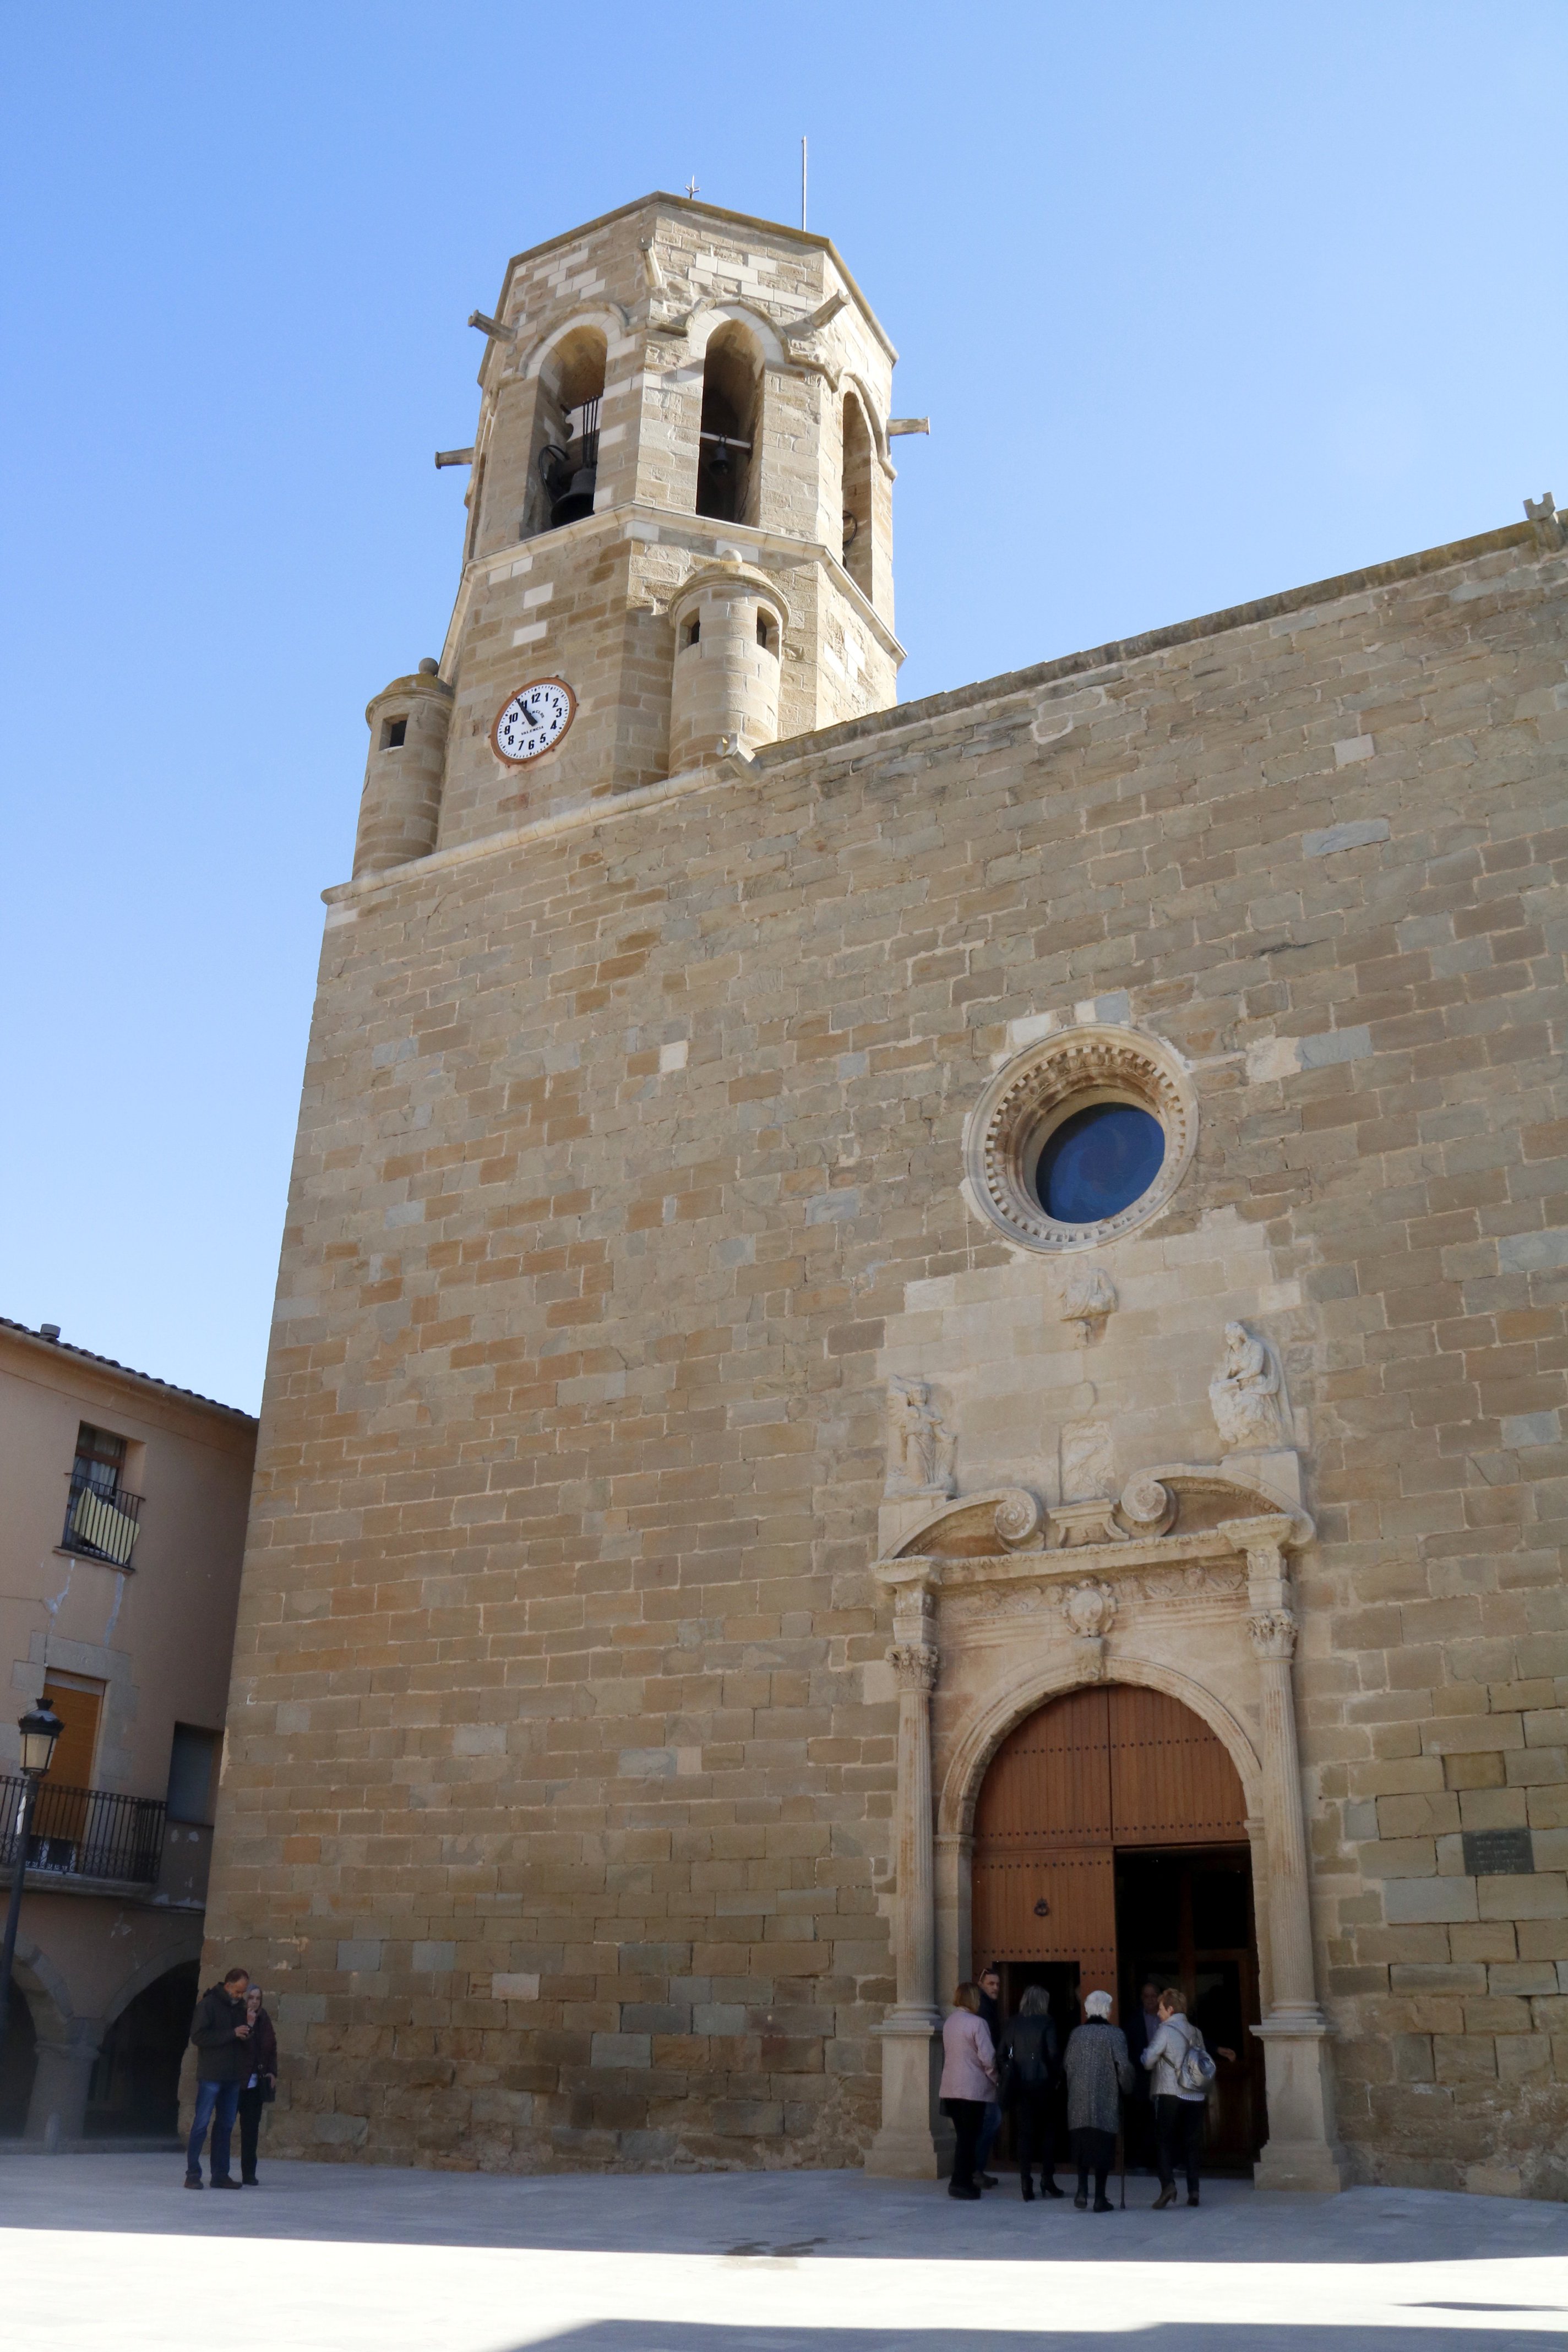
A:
<point x="533" y="721"/>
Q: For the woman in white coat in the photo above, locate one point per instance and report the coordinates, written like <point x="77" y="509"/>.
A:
<point x="968" y="2082"/>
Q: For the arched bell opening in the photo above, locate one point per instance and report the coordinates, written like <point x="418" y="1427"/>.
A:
<point x="135" y="2089"/>
<point x="728" y="469"/>
<point x="1111" y="1849"/>
<point x="565" y="462"/>
<point x="857" y="502"/>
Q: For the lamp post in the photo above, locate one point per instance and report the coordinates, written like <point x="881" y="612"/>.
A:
<point x="39" y="1728"/>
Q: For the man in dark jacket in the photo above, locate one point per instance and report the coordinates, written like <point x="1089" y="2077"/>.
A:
<point x="1029" y="2041"/>
<point x="991" y="2014"/>
<point x="221" y="2033"/>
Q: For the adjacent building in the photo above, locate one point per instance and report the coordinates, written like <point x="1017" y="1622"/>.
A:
<point x="122" y="1503"/>
<point x="910" y="1335"/>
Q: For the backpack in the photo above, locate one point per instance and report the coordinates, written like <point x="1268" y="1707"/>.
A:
<point x="1197" y="2069"/>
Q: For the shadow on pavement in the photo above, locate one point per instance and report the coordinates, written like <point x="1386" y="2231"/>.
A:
<point x="1246" y="2336"/>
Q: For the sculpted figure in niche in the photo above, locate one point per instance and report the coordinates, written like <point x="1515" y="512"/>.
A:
<point x="920" y="1449"/>
<point x="1246" y="1395"/>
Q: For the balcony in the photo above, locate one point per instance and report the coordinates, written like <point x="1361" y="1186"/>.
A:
<point x="84" y="1833"/>
<point x="100" y="1524"/>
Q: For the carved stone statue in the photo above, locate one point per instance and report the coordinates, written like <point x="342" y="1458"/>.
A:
<point x="1088" y="1299"/>
<point x="1088" y="1463"/>
<point x="920" y="1449"/>
<point x="1247" y="1394"/>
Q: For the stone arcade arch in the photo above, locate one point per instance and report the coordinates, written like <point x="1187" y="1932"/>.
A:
<point x="1000" y="1604"/>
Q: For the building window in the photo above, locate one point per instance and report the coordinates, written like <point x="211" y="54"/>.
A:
<point x="191" y="1758"/>
<point x="393" y="734"/>
<point x="767" y="631"/>
<point x="1081" y="1138"/>
<point x="727" y="477"/>
<point x="693" y="633"/>
<point x="99" y="1458"/>
<point x="100" y="1516"/>
<point x="1096" y="1161"/>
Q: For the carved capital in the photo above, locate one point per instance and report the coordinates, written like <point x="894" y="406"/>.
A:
<point x="914" y="1666"/>
<point x="1273" y="1633"/>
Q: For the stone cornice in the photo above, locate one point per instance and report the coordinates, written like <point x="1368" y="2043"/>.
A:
<point x="1281" y="1532"/>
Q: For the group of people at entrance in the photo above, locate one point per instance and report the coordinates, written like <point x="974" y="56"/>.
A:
<point x="237" y="2077"/>
<point x="989" y="2067"/>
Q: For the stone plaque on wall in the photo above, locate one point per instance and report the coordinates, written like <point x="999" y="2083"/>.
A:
<point x="1498" y="1853"/>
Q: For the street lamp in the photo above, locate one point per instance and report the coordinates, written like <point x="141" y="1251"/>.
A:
<point x="39" y="1728"/>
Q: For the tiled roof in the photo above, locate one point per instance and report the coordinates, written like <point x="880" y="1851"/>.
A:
<point x="170" y="1387"/>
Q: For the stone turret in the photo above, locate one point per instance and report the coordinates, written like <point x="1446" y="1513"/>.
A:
<point x="400" y="808"/>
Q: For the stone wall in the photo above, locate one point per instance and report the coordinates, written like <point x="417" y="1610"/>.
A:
<point x="562" y="1745"/>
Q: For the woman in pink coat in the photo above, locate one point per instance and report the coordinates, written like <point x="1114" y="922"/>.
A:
<point x="968" y="2081"/>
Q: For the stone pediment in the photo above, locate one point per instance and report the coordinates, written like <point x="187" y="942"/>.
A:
<point x="1177" y="1508"/>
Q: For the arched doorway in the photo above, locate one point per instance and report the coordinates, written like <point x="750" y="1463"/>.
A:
<point x="134" y="2092"/>
<point x="18" y="2062"/>
<point x="1111" y="1846"/>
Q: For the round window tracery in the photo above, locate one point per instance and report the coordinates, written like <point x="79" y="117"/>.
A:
<point x="1081" y="1138"/>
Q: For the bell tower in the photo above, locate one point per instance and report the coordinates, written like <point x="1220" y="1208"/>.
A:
<point x="679" y="527"/>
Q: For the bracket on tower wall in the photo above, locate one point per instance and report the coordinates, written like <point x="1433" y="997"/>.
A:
<point x="493" y="327"/>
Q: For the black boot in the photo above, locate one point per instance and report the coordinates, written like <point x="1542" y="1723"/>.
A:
<point x="1028" y="2188"/>
<point x="1048" y="2187"/>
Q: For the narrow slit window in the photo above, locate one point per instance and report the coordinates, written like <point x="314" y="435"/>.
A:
<point x="767" y="635"/>
<point x="393" y="734"/>
<point x="693" y="632"/>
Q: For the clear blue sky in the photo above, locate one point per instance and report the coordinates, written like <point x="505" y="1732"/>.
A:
<point x="1203" y="301"/>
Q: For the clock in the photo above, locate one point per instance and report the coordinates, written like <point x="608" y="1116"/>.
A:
<point x="533" y="721"/>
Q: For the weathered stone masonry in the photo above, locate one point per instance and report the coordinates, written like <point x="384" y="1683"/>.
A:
<point x="562" y="1773"/>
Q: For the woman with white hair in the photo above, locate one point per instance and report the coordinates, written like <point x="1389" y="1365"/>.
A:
<point x="1099" y="2075"/>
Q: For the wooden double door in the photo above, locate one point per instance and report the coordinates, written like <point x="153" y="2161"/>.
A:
<point x="1110" y="1848"/>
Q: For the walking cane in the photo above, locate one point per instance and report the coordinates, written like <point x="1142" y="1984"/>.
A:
<point x="1121" y="2160"/>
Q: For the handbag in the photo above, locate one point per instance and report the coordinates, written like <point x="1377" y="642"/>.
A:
<point x="1197" y="2069"/>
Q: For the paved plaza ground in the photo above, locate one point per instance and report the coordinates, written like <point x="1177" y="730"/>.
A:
<point x="111" y="2252"/>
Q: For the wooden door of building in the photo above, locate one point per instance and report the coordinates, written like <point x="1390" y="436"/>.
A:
<point x="60" y="1819"/>
<point x="1080" y="1804"/>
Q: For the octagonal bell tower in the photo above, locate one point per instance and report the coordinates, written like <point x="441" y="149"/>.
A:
<point x="679" y="508"/>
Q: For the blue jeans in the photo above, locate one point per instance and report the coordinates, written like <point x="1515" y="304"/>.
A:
<point x="216" y="2103"/>
<point x="989" y="2130"/>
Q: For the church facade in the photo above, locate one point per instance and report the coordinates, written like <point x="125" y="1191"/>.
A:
<point x="908" y="1335"/>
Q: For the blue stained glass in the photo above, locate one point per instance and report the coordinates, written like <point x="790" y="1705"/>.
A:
<point x="1097" y="1163"/>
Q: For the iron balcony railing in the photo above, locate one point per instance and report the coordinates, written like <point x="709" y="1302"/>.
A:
<point x="84" y="1832"/>
<point x="101" y="1523"/>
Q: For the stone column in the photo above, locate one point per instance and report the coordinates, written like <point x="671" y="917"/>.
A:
<point x="57" y="2111"/>
<point x="905" y="2147"/>
<point x="1302" y="2152"/>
